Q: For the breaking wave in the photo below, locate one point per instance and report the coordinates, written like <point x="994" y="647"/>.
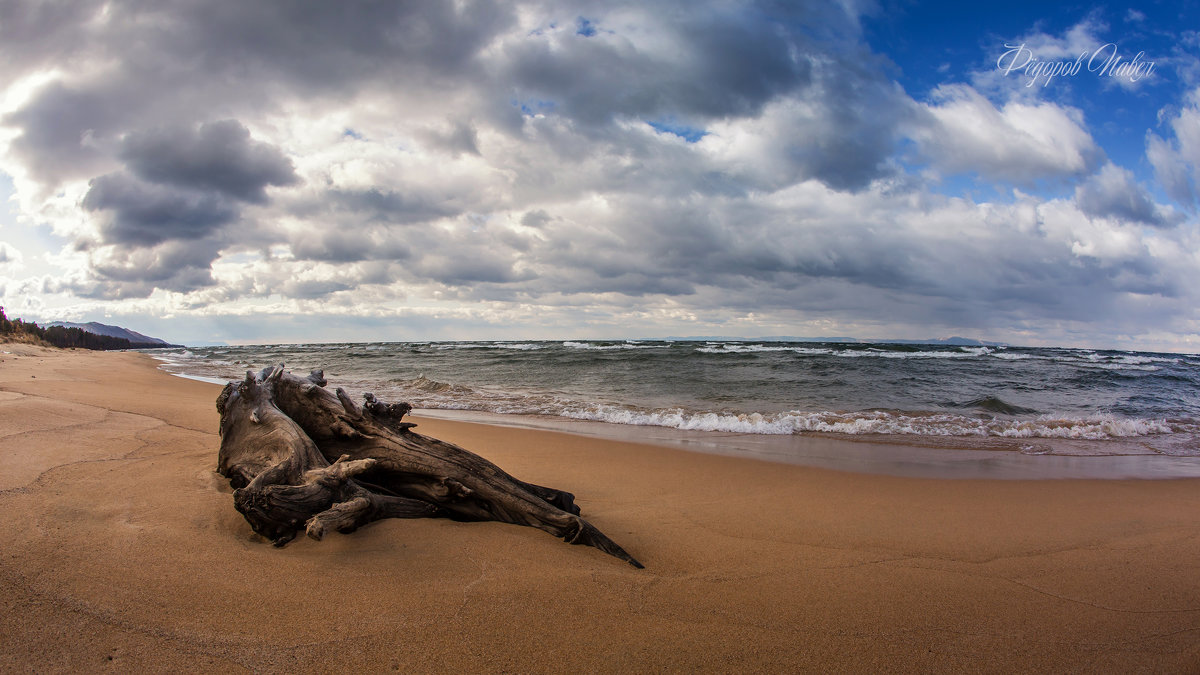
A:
<point x="885" y="422"/>
<point x="608" y="347"/>
<point x="425" y="393"/>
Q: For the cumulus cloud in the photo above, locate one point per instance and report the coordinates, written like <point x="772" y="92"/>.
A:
<point x="348" y="246"/>
<point x="635" y="63"/>
<point x="1113" y="192"/>
<point x="1017" y="142"/>
<point x="159" y="219"/>
<point x="119" y="273"/>
<point x="216" y="157"/>
<point x="1176" y="160"/>
<point x="9" y="256"/>
<point x="143" y="214"/>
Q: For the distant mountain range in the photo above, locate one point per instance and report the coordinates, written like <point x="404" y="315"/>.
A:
<point x="953" y="341"/>
<point x="134" y="337"/>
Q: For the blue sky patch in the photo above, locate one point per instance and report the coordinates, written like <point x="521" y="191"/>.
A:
<point x="688" y="133"/>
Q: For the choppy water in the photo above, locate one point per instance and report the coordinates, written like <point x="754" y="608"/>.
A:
<point x="924" y="393"/>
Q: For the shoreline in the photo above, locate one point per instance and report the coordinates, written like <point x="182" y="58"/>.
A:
<point x="908" y="455"/>
<point x="897" y="456"/>
<point x="124" y="551"/>
<point x="1045" y="401"/>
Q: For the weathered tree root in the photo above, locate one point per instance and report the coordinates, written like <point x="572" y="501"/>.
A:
<point x="304" y="458"/>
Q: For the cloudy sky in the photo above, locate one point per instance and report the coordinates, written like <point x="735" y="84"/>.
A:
<point x="280" y="171"/>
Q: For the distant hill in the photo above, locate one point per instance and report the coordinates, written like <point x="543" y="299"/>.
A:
<point x="134" y="337"/>
<point x="75" y="336"/>
<point x="953" y="341"/>
<point x="769" y="338"/>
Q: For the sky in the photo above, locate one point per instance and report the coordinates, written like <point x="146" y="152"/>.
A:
<point x="252" y="172"/>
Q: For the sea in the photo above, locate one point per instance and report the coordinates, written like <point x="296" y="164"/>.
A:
<point x="904" y="409"/>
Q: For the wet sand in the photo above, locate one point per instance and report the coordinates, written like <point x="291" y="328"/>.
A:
<point x="122" y="551"/>
<point x="895" y="455"/>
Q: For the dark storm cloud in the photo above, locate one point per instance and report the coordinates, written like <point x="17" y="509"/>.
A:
<point x="535" y="218"/>
<point x="182" y="61"/>
<point x="35" y="34"/>
<point x="217" y="157"/>
<point x="135" y="273"/>
<point x="174" y="267"/>
<point x="309" y="289"/>
<point x="314" y="46"/>
<point x="728" y="64"/>
<point x="459" y="270"/>
<point x="348" y="246"/>
<point x="334" y="47"/>
<point x="389" y="206"/>
<point x="468" y="253"/>
<point x="730" y="245"/>
<point x="852" y="141"/>
<point x="1114" y="193"/>
<point x="741" y="256"/>
<point x="461" y="138"/>
<point x="142" y="214"/>
<point x="58" y="130"/>
<point x="183" y="184"/>
<point x="718" y="64"/>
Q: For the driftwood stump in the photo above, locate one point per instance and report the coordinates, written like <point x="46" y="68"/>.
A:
<point x="304" y="458"/>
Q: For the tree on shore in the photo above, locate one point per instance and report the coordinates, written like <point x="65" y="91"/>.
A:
<point x="17" y="330"/>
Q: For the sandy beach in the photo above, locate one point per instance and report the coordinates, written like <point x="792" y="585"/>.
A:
<point x="123" y="552"/>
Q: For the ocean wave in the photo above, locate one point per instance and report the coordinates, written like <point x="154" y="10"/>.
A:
<point x="995" y="404"/>
<point x="1010" y="356"/>
<point x="175" y="353"/>
<point x="740" y="348"/>
<point x="961" y="353"/>
<point x="426" y="393"/>
<point x="185" y="359"/>
<point x="1136" y="359"/>
<point x="1123" y="366"/>
<point x="880" y="423"/>
<point x="737" y="348"/>
<point x="570" y="344"/>
<point x="1096" y="361"/>
<point x="425" y="385"/>
<point x="1112" y="362"/>
<point x="519" y="346"/>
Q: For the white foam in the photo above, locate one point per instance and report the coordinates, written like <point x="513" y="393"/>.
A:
<point x="202" y="378"/>
<point x="1119" y="366"/>
<point x="1008" y="356"/>
<point x="1099" y="427"/>
<point x="737" y="348"/>
<point x="888" y="354"/>
<point x="519" y="346"/>
<point x="588" y="345"/>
